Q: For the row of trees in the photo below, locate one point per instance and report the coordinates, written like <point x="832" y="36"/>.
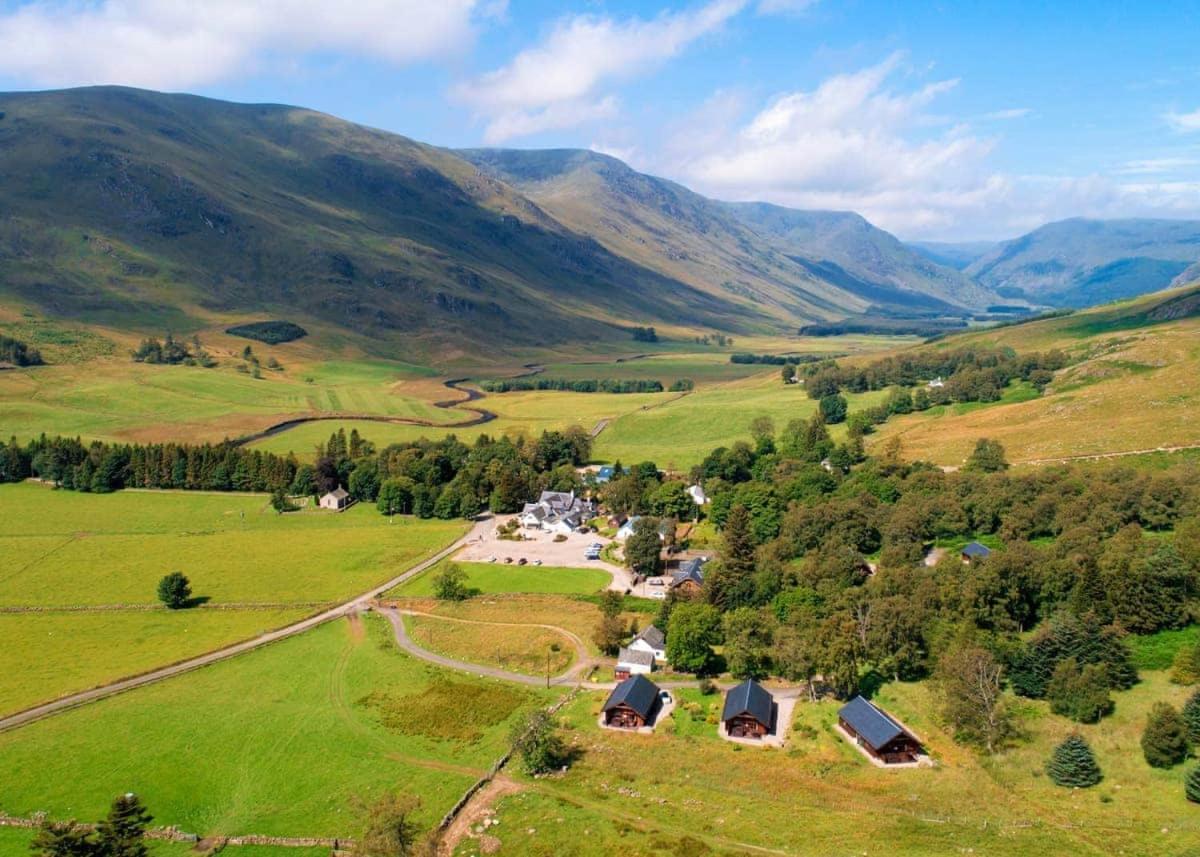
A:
<point x="173" y="351"/>
<point x="18" y="353"/>
<point x="582" y="385"/>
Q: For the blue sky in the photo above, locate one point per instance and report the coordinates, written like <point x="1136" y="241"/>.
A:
<point x="936" y="121"/>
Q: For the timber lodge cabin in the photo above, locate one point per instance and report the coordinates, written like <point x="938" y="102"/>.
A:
<point x="877" y="733"/>
<point x="632" y="703"/>
<point x="749" y="711"/>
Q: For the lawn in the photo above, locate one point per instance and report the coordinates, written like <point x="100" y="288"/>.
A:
<point x="493" y="578"/>
<point x="279" y="741"/>
<point x="818" y="796"/>
<point x="516" y="648"/>
<point x="14" y="842"/>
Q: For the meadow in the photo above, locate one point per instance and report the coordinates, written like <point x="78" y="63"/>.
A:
<point x="516" y="648"/>
<point x="14" y="842"/>
<point x="64" y="555"/>
<point x="494" y="578"/>
<point x="280" y="741"/>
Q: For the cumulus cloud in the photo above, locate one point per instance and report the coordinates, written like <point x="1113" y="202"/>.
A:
<point x="555" y="84"/>
<point x="1184" y="121"/>
<point x="168" y="44"/>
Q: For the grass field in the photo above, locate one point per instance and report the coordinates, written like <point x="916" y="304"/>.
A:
<point x="516" y="648"/>
<point x="14" y="842"/>
<point x="493" y="578"/>
<point x="703" y="795"/>
<point x="278" y="741"/>
<point x="61" y="549"/>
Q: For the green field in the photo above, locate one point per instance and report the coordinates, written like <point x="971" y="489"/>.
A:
<point x="493" y="578"/>
<point x="278" y="741"/>
<point x="515" y="648"/>
<point x="14" y="842"/>
<point x="61" y="549"/>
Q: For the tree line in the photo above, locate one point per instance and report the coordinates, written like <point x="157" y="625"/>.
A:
<point x="774" y="359"/>
<point x="173" y="351"/>
<point x="582" y="385"/>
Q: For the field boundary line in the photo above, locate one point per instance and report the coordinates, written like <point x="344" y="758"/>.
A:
<point x="46" y="709"/>
<point x="1100" y="456"/>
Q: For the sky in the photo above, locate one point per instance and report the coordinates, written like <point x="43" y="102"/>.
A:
<point x="936" y="121"/>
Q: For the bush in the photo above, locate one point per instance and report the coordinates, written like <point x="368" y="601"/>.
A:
<point x="270" y="332"/>
<point x="1072" y="765"/>
<point x="1165" y="741"/>
<point x="1185" y="668"/>
<point x="450" y="584"/>
<point x="174" y="590"/>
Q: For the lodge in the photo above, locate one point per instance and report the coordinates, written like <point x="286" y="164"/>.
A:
<point x="632" y="704"/>
<point x="878" y="734"/>
<point x="749" y="711"/>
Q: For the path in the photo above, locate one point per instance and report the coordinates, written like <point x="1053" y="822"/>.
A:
<point x="46" y="709"/>
<point x="1099" y="456"/>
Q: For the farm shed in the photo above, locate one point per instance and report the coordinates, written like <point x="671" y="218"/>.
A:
<point x="337" y="499"/>
<point x="632" y="703"/>
<point x="749" y="711"/>
<point x="633" y="662"/>
<point x="871" y="728"/>
<point x="975" y="552"/>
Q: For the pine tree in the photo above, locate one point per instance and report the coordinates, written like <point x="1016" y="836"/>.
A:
<point x="122" y="833"/>
<point x="738" y="553"/>
<point x="1073" y="766"/>
<point x="1191" y="786"/>
<point x="1165" y="741"/>
<point x="1191" y="716"/>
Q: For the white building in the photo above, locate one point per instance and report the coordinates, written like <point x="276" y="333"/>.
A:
<point x="337" y="500"/>
<point x="696" y="492"/>
<point x="652" y="641"/>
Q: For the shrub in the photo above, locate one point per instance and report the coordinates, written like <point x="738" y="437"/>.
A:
<point x="174" y="590"/>
<point x="1165" y="741"/>
<point x="450" y="584"/>
<point x="1072" y="765"/>
<point x="1185" y="668"/>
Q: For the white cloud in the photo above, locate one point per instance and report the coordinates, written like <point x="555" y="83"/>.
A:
<point x="1010" y="113"/>
<point x="1156" y="166"/>
<point x="181" y="43"/>
<point x="554" y="85"/>
<point x="1184" y="121"/>
<point x="784" y="7"/>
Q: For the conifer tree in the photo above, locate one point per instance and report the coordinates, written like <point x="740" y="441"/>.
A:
<point x="122" y="833"/>
<point x="1073" y="765"/>
<point x="1165" y="741"/>
<point x="1191" y="717"/>
<point x="1191" y="786"/>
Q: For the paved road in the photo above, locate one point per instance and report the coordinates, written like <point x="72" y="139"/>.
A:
<point x="570" y="678"/>
<point x="357" y="603"/>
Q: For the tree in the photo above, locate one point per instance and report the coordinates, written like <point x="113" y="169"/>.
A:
<point x="450" y="584"/>
<point x="535" y="740"/>
<point x="1185" y="668"/>
<point x="969" y="679"/>
<point x="748" y="637"/>
<point x="833" y="408"/>
<point x="395" y="496"/>
<point x="1191" y="786"/>
<point x="63" y="839"/>
<point x="280" y="501"/>
<point x="694" y="629"/>
<point x="609" y="634"/>
<point x="643" y="546"/>
<point x="122" y="832"/>
<point x="390" y="830"/>
<point x="611" y="603"/>
<point x="1073" y="766"/>
<point x="1191" y="716"/>
<point x="1080" y="693"/>
<point x="1165" y="740"/>
<point x="987" y="457"/>
<point x="175" y="590"/>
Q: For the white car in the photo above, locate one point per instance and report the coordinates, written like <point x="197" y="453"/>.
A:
<point x="658" y="595"/>
<point x="537" y="562"/>
<point x="665" y="696"/>
<point x="492" y="559"/>
<point x="656" y="581"/>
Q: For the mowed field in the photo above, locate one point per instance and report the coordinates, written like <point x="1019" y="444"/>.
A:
<point x="1132" y="386"/>
<point x="818" y="796"/>
<point x="279" y="741"/>
<point x="516" y="648"/>
<point x="68" y="559"/>
<point x="494" y="578"/>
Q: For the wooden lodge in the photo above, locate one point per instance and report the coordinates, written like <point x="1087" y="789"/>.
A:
<point x="749" y="711"/>
<point x="632" y="703"/>
<point x="871" y="728"/>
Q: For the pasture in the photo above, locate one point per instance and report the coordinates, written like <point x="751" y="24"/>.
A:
<point x="516" y="648"/>
<point x="703" y="795"/>
<point x="495" y="578"/>
<point x="280" y="741"/>
<point x="72" y="557"/>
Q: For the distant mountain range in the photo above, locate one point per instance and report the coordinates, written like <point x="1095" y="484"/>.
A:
<point x="147" y="211"/>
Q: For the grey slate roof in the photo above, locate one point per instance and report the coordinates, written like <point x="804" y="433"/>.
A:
<point x="338" y="493"/>
<point x="638" y="692"/>
<point x="692" y="569"/>
<point x="653" y="637"/>
<point x="635" y="656"/>
<point x="751" y="698"/>
<point x="870" y="722"/>
<point x="975" y="549"/>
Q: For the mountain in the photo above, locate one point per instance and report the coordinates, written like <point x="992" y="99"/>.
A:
<point x="843" y="247"/>
<point x="148" y="211"/>
<point x="1075" y="263"/>
<point x="749" y="249"/>
<point x="956" y="255"/>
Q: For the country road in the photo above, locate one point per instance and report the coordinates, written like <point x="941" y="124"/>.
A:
<point x="357" y="603"/>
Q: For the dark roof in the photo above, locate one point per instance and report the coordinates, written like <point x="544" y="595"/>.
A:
<point x="654" y="637"/>
<point x="870" y="723"/>
<point x="635" y="656"/>
<point x="976" y="549"/>
<point x="692" y="569"/>
<point x="638" y="692"/>
<point x="751" y="698"/>
<point x="338" y="493"/>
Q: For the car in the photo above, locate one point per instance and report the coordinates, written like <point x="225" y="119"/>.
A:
<point x="522" y="561"/>
<point x="658" y="595"/>
<point x="537" y="562"/>
<point x="656" y="581"/>
<point x="508" y="560"/>
<point x="493" y="559"/>
<point x="665" y="696"/>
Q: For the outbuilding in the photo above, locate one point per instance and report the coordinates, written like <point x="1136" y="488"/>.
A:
<point x="632" y="703"/>
<point x="749" y="711"/>
<point x="974" y="552"/>
<point x="872" y="729"/>
<point x="337" y="499"/>
<point x="633" y="662"/>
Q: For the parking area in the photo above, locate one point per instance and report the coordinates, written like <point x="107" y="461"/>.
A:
<point x="537" y="546"/>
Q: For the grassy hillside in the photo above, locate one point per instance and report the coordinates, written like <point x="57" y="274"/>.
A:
<point x="1131" y="386"/>
<point x="1081" y="262"/>
<point x="147" y="211"/>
